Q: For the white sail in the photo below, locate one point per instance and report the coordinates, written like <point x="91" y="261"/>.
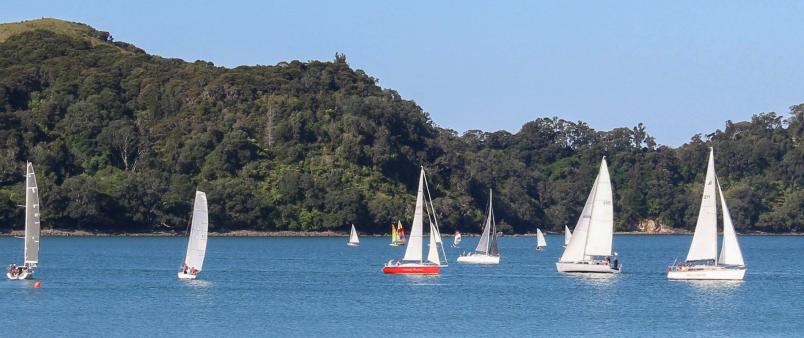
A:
<point x="601" y="226"/>
<point x="32" y="225"/>
<point x="457" y="239"/>
<point x="567" y="235"/>
<point x="197" y="245"/>
<point x="704" y="240"/>
<point x="574" y="252"/>
<point x="483" y="244"/>
<point x="730" y="253"/>
<point x="353" y="239"/>
<point x="413" y="251"/>
<point x="432" y="253"/>
<point x="540" y="242"/>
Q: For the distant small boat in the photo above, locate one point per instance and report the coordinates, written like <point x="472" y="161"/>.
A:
<point x="590" y="248"/>
<point x="353" y="240"/>
<point x="397" y="235"/>
<point x="32" y="229"/>
<point x="488" y="249"/>
<point x="540" y="242"/>
<point x="702" y="260"/>
<point x="197" y="243"/>
<point x="457" y="240"/>
<point x="413" y="262"/>
<point x="567" y="236"/>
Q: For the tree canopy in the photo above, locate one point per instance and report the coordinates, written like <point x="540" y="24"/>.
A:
<point x="120" y="139"/>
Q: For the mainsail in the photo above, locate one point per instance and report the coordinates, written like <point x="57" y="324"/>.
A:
<point x="540" y="242"/>
<point x="413" y="251"/>
<point x="197" y="245"/>
<point x="32" y="225"/>
<point x="594" y="230"/>
<point x="353" y="236"/>
<point x="704" y="240"/>
<point x="488" y="240"/>
<point x="567" y="235"/>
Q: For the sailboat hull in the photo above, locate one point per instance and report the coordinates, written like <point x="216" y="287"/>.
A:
<point x="411" y="269"/>
<point x="479" y="259"/>
<point x="540" y="248"/>
<point x="709" y="273"/>
<point x="182" y="275"/>
<point x="353" y="244"/>
<point x="24" y="275"/>
<point x="585" y="267"/>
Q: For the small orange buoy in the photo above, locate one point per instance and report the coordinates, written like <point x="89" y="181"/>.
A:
<point x="37" y="285"/>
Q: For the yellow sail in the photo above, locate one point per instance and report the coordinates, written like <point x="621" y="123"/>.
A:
<point x="394" y="235"/>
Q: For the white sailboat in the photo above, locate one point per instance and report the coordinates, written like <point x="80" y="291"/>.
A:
<point x="32" y="229"/>
<point x="353" y="239"/>
<point x="702" y="261"/>
<point x="540" y="242"/>
<point x="590" y="248"/>
<point x="413" y="263"/>
<point x="488" y="250"/>
<point x="567" y="235"/>
<point x="197" y="244"/>
<point x="457" y="240"/>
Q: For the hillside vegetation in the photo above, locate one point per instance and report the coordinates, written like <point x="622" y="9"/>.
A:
<point x="120" y="139"/>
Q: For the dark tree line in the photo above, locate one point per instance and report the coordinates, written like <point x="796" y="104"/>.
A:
<point x="120" y="140"/>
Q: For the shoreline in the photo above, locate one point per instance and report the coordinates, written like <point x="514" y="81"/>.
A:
<point x="286" y="233"/>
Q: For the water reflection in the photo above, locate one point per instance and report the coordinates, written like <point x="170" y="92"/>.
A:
<point x="715" y="286"/>
<point x="597" y="280"/>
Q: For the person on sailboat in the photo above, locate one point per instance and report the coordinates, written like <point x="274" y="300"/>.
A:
<point x="12" y="269"/>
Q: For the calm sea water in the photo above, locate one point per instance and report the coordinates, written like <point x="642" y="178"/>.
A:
<point x="320" y="287"/>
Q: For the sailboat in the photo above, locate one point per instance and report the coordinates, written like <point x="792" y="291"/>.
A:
<point x="589" y="249"/>
<point x="567" y="235"/>
<point x="32" y="229"/>
<point x="197" y="243"/>
<point x="488" y="249"/>
<point x="540" y="242"/>
<point x="457" y="240"/>
<point x="702" y="261"/>
<point x="397" y="235"/>
<point x="413" y="263"/>
<point x="353" y="240"/>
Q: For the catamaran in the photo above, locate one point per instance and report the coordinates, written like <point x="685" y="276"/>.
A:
<point x="589" y="249"/>
<point x="457" y="240"/>
<point x="567" y="235"/>
<point x="197" y="243"/>
<point x="488" y="249"/>
<point x="353" y="240"/>
<point x="540" y="242"/>
<point x="413" y="262"/>
<point x="397" y="235"/>
<point x="702" y="261"/>
<point x="32" y="229"/>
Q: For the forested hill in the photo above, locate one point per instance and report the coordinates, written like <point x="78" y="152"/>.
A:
<point x="120" y="139"/>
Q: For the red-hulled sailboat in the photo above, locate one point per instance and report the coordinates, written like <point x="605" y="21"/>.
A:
<point x="413" y="263"/>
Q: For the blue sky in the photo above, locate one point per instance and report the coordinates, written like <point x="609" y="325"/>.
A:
<point x="680" y="67"/>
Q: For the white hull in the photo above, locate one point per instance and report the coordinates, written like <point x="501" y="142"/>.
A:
<point x="182" y="275"/>
<point x="709" y="273"/>
<point x="540" y="248"/>
<point x="352" y="244"/>
<point x="586" y="267"/>
<point x="24" y="275"/>
<point x="479" y="259"/>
